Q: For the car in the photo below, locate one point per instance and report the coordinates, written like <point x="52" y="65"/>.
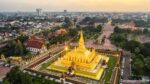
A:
<point x="12" y="66"/>
<point x="2" y="63"/>
<point x="7" y="65"/>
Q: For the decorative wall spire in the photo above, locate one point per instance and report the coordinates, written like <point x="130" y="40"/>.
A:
<point x="81" y="41"/>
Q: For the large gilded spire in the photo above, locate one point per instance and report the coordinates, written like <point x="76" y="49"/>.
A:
<point x="81" y="41"/>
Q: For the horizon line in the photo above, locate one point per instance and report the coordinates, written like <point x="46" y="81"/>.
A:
<point x="44" y="11"/>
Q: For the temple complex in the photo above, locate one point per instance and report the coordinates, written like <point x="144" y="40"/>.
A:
<point x="82" y="61"/>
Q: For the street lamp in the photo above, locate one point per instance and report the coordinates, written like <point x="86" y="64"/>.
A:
<point x="66" y="48"/>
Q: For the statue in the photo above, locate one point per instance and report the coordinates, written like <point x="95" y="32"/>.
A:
<point x="71" y="69"/>
<point x="63" y="77"/>
<point x="3" y="57"/>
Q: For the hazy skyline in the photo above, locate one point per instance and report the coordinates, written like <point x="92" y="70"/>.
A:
<point x="76" y="5"/>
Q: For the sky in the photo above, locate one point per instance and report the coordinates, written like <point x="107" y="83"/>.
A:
<point x="76" y="5"/>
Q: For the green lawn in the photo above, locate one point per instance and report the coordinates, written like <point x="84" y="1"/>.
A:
<point x="45" y="65"/>
<point x="111" y="65"/>
<point x="134" y="37"/>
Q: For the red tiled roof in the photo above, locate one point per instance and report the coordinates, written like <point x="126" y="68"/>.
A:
<point x="4" y="71"/>
<point x="41" y="38"/>
<point x="60" y="32"/>
<point x="35" y="44"/>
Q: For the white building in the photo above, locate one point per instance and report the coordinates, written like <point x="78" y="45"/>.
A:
<point x="36" y="45"/>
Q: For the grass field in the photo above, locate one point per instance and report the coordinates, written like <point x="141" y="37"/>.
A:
<point x="111" y="65"/>
<point x="45" y="65"/>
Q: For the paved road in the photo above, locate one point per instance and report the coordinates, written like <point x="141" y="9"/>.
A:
<point x="107" y="31"/>
<point x="3" y="71"/>
<point x="42" y="56"/>
<point x="48" y="59"/>
<point x="114" y="75"/>
<point x="127" y="65"/>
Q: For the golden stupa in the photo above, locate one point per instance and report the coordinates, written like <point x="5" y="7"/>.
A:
<point x="87" y="63"/>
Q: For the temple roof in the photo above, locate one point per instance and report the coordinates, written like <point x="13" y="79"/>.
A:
<point x="81" y="41"/>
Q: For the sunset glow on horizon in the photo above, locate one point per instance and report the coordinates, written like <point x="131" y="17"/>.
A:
<point x="76" y="5"/>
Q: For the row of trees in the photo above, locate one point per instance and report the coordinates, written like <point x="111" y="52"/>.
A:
<point x="139" y="23"/>
<point x="72" y="32"/>
<point x="92" y="20"/>
<point x="15" y="76"/>
<point x="15" y="47"/>
<point x="67" y="22"/>
<point x="91" y="31"/>
<point x="53" y="39"/>
<point x="140" y="52"/>
<point x="62" y="38"/>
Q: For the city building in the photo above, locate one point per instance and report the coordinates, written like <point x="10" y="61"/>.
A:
<point x="39" y="11"/>
<point x="55" y="24"/>
<point x="128" y="25"/>
<point x="36" y="44"/>
<point x="15" y="60"/>
<point x="65" y="11"/>
<point x="60" y="32"/>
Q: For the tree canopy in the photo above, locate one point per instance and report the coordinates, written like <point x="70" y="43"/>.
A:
<point x="15" y="76"/>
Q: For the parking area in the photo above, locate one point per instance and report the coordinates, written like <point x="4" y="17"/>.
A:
<point x="4" y="69"/>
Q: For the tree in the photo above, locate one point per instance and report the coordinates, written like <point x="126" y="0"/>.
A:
<point x="136" y="50"/>
<point x="99" y="27"/>
<point x="138" y="32"/>
<point x="131" y="45"/>
<point x="16" y="76"/>
<point x="73" y="32"/>
<point x="22" y="38"/>
<point x="8" y="50"/>
<point x="67" y="22"/>
<point x="118" y="39"/>
<point x="147" y="62"/>
<point x="118" y="30"/>
<point x="86" y="19"/>
<point x="138" y="66"/>
<point x="103" y="39"/>
<point x="145" y="31"/>
<point x="12" y="76"/>
<point x="145" y="50"/>
<point x="19" y="48"/>
<point x="6" y="82"/>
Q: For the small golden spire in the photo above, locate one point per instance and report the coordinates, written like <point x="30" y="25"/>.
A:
<point x="81" y="41"/>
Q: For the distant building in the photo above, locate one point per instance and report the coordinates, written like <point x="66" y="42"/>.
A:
<point x="65" y="11"/>
<point x="56" y="24"/>
<point x="97" y="24"/>
<point x="39" y="11"/>
<point x="60" y="32"/>
<point x="1" y="37"/>
<point x="109" y="21"/>
<point x="2" y="24"/>
<point x="128" y="25"/>
<point x="36" y="44"/>
<point x="15" y="60"/>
